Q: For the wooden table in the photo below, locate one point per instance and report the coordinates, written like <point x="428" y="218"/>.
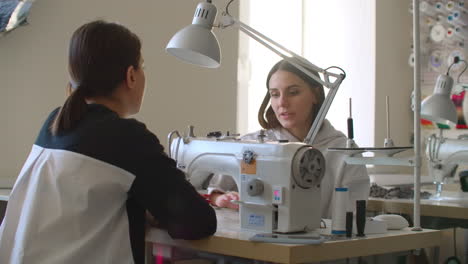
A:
<point x="452" y="204"/>
<point x="457" y="209"/>
<point x="446" y="214"/>
<point x="230" y="240"/>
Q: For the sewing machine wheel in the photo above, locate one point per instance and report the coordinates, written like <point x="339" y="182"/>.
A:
<point x="308" y="167"/>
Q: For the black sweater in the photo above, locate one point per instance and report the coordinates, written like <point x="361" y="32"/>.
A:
<point x="158" y="186"/>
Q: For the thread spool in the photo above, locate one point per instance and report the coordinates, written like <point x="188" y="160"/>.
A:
<point x="360" y="217"/>
<point x="339" y="211"/>
<point x="460" y="5"/>
<point x="437" y="33"/>
<point x="460" y="18"/>
<point x="441" y="19"/>
<point x="429" y="21"/>
<point x="450" y="32"/>
<point x="349" y="224"/>
<point x="450" y="6"/>
<point x="427" y="9"/>
<point x="436" y="60"/>
<point x="439" y="7"/>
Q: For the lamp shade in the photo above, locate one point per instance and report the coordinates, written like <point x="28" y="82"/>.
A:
<point x="439" y="107"/>
<point x="196" y="43"/>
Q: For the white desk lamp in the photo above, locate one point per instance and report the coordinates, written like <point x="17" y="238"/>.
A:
<point x="438" y="107"/>
<point x="197" y="44"/>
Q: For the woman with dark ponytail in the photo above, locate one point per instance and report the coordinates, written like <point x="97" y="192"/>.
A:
<point x="93" y="172"/>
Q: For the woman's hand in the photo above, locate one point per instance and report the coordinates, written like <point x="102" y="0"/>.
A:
<point x="224" y="199"/>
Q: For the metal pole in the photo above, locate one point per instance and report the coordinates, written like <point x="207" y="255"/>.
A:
<point x="417" y="118"/>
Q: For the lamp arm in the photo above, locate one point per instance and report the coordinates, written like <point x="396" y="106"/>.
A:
<point x="228" y="20"/>
<point x="317" y="124"/>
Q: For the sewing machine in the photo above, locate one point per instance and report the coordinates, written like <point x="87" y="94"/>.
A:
<point x="444" y="155"/>
<point x="278" y="182"/>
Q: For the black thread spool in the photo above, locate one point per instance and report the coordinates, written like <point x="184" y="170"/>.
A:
<point x="349" y="224"/>
<point x="464" y="180"/>
<point x="360" y="217"/>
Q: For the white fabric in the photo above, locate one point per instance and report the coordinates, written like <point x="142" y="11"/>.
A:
<point x="355" y="178"/>
<point x="41" y="227"/>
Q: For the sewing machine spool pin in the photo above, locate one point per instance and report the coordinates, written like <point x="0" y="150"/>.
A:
<point x="388" y="142"/>
<point x="350" y="141"/>
<point x="261" y="136"/>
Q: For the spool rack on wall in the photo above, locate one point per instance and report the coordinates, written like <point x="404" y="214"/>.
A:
<point x="444" y="37"/>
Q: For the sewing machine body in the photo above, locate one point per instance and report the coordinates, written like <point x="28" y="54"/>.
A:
<point x="278" y="183"/>
<point x="444" y="155"/>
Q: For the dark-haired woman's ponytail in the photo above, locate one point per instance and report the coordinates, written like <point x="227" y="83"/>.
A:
<point x="70" y="113"/>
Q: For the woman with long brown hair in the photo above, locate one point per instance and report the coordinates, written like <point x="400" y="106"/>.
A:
<point x="289" y="108"/>
<point x="93" y="171"/>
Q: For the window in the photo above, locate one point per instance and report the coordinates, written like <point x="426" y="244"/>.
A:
<point x="327" y="33"/>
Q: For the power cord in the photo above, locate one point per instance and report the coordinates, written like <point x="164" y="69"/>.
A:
<point x="455" y="61"/>
<point x="464" y="69"/>
<point x="336" y="67"/>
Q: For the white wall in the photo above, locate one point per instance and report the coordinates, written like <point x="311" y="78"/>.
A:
<point x="33" y="75"/>
<point x="393" y="75"/>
